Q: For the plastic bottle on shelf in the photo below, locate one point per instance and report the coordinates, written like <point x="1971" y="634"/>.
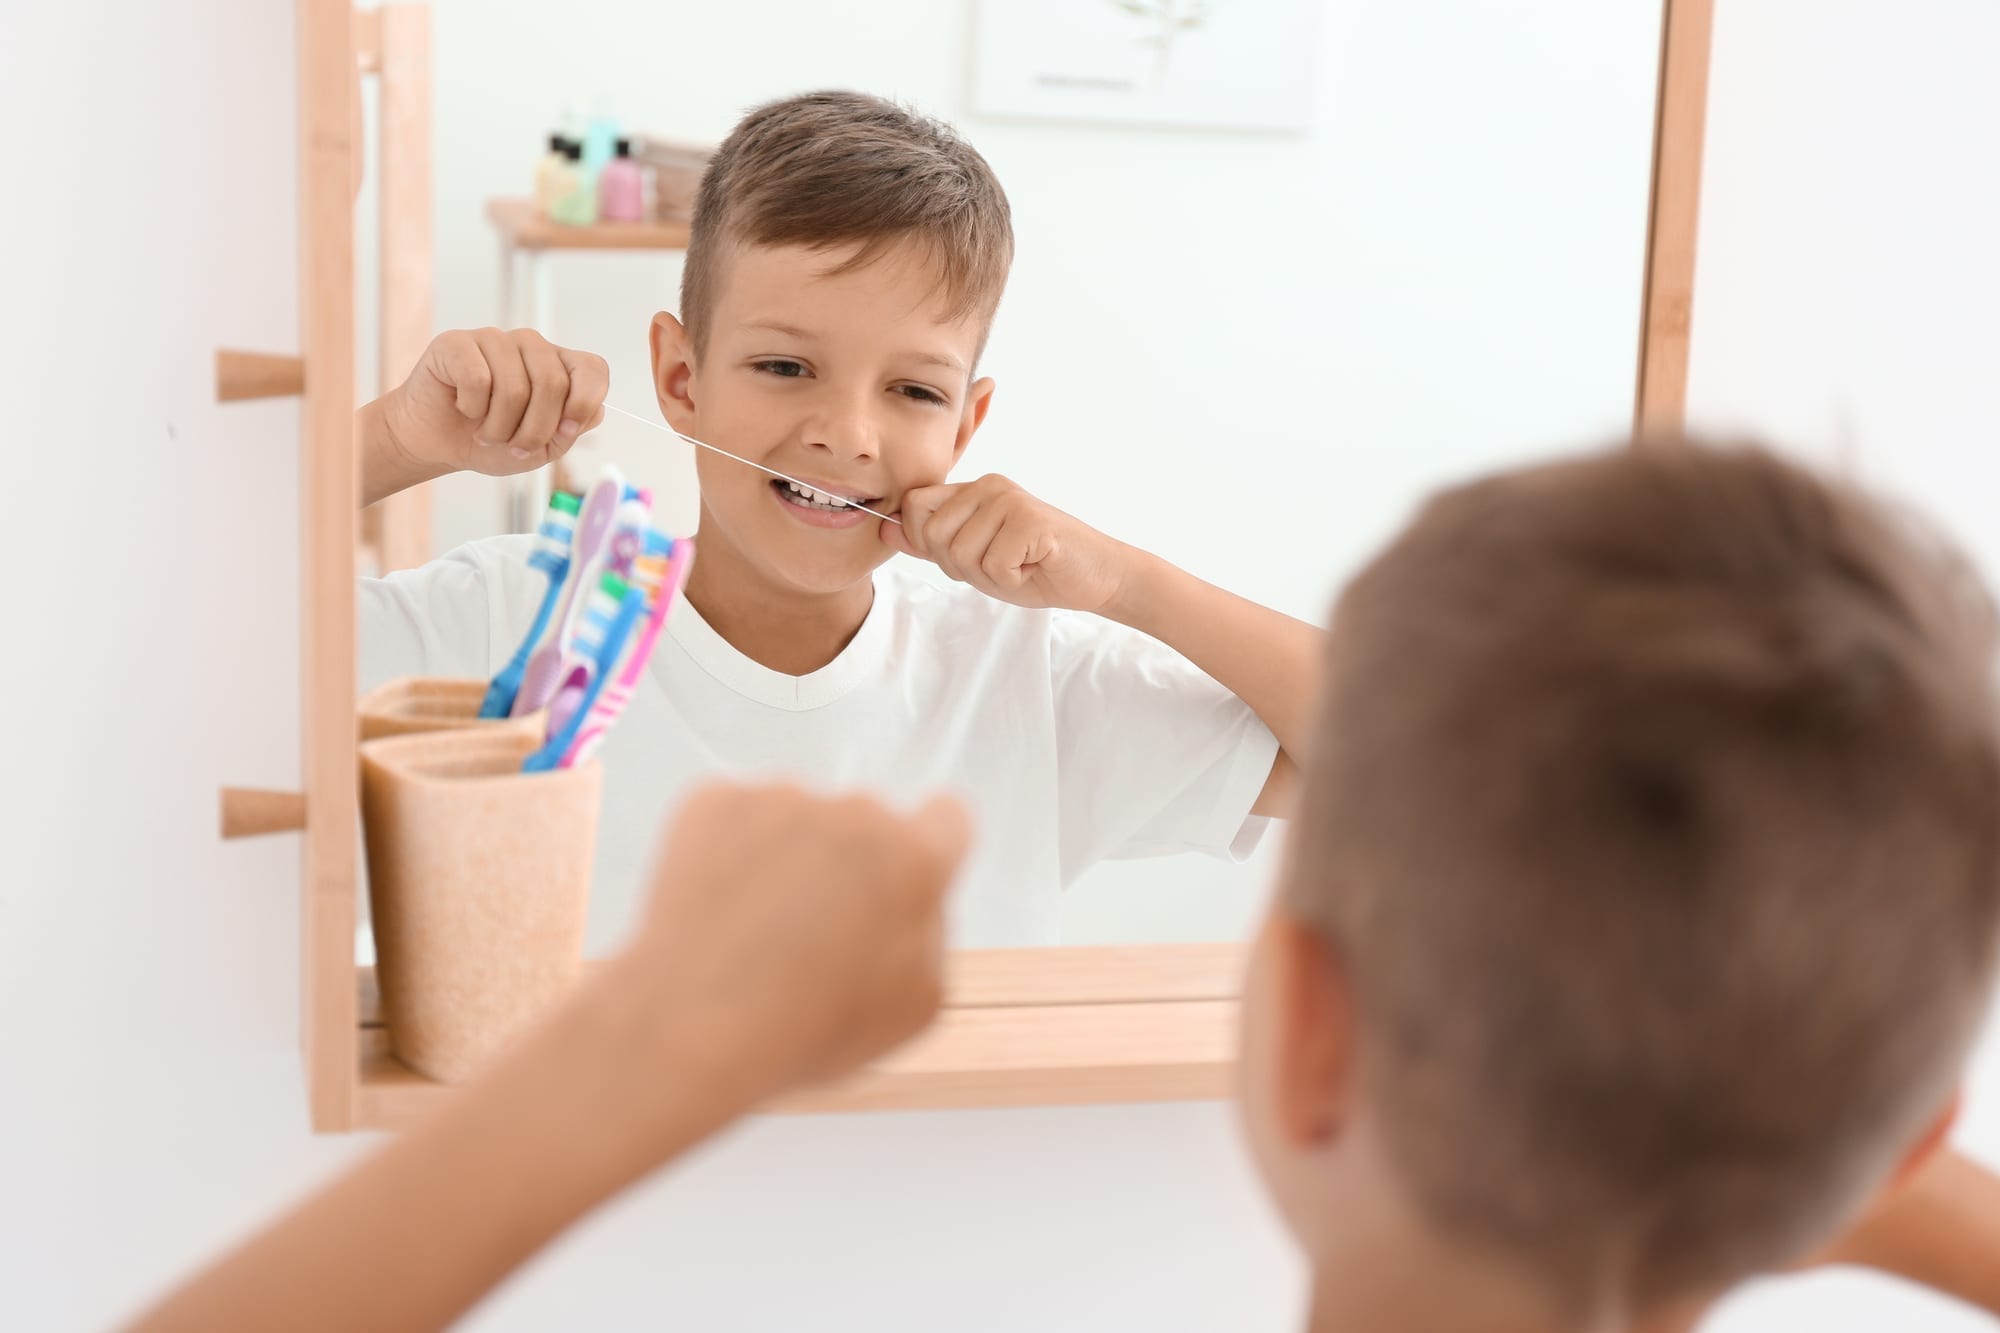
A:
<point x="576" y="190"/>
<point x="600" y="137"/>
<point x="621" y="195"/>
<point x="547" y="170"/>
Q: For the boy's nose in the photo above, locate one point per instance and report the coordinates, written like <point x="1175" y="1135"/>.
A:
<point x="849" y="435"/>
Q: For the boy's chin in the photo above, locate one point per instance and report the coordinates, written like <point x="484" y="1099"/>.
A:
<point x="827" y="574"/>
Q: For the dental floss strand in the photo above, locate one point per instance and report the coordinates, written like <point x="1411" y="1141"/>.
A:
<point x="645" y="421"/>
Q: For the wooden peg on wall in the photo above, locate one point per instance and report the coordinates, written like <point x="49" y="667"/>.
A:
<point x="249" y="812"/>
<point x="243" y="375"/>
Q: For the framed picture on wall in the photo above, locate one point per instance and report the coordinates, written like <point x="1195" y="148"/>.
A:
<point x="1230" y="64"/>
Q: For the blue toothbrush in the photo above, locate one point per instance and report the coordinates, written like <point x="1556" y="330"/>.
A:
<point x="608" y="622"/>
<point x="551" y="557"/>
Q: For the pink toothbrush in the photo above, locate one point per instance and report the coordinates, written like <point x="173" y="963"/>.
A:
<point x="662" y="574"/>
<point x="587" y="554"/>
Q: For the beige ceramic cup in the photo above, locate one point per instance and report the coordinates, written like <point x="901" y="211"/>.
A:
<point x="479" y="886"/>
<point x="431" y="703"/>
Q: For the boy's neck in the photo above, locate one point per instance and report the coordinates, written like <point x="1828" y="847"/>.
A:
<point x="1383" y="1291"/>
<point x="781" y="629"/>
<point x="1378" y="1267"/>
<point x="1387" y="1294"/>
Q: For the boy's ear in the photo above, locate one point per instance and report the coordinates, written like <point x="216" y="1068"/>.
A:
<point x="1930" y="1143"/>
<point x="977" y="400"/>
<point x="673" y="370"/>
<point x="1314" y="1039"/>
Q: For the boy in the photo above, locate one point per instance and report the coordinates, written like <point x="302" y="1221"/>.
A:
<point x="1643" y="900"/>
<point x="1642" y="903"/>
<point x="845" y="263"/>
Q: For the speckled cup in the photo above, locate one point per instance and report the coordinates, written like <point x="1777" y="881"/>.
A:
<point x="432" y="703"/>
<point x="479" y="886"/>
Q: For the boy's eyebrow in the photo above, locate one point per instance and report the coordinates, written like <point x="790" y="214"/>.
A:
<point x="937" y="359"/>
<point x="794" y="331"/>
<point x="774" y="326"/>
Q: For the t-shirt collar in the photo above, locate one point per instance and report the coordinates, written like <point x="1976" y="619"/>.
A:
<point x="862" y="657"/>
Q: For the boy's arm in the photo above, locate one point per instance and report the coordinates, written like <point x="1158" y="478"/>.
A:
<point x="995" y="536"/>
<point x="1265" y="658"/>
<point x="483" y="400"/>
<point x="658" y="1050"/>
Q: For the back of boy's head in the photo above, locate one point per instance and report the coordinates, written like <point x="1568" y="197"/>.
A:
<point x="1652" y="819"/>
<point x="828" y="170"/>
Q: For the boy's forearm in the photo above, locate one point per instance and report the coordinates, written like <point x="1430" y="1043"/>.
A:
<point x="419" y="1233"/>
<point x="1266" y="658"/>
<point x="386" y="467"/>
<point x="1941" y="1229"/>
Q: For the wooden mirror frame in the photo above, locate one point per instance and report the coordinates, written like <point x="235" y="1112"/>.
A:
<point x="1021" y="1026"/>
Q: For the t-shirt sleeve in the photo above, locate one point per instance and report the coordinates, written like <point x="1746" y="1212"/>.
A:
<point x="444" y="618"/>
<point x="1153" y="756"/>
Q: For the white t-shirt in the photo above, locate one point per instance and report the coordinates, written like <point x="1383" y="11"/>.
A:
<point x="1072" y="738"/>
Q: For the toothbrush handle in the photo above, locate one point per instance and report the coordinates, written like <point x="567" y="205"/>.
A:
<point x="500" y="693"/>
<point x="616" y="694"/>
<point x="602" y="714"/>
<point x="558" y="744"/>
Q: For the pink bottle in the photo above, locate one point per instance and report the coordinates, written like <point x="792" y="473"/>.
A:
<point x="621" y="195"/>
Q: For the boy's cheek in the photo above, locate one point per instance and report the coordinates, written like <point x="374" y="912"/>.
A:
<point x="920" y="464"/>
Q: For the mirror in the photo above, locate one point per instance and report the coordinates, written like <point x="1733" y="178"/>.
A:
<point x="1249" y="351"/>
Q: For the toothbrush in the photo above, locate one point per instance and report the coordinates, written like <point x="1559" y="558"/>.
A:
<point x="626" y="540"/>
<point x="551" y="557"/>
<point x="628" y="533"/>
<point x="580" y="666"/>
<point x="662" y="571"/>
<point x="614" y="609"/>
<point x="586" y="558"/>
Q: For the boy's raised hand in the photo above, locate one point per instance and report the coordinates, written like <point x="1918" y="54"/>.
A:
<point x="797" y="935"/>
<point x="494" y="401"/>
<point x="1003" y="541"/>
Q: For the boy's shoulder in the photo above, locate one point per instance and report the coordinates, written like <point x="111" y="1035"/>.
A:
<point x="496" y="559"/>
<point x="448" y="616"/>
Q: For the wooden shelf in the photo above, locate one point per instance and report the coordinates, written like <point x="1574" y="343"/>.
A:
<point x="522" y="227"/>
<point x="1021" y="1027"/>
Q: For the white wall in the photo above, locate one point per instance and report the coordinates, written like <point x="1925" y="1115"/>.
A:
<point x="148" y="1014"/>
<point x="1844" y="306"/>
<point x="152" y="1106"/>
<point x="1250" y="353"/>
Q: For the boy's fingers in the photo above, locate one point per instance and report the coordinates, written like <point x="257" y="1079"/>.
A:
<point x="589" y="385"/>
<point x="1006" y="557"/>
<point x="918" y="507"/>
<point x="510" y="387"/>
<point x="548" y="390"/>
<point x="973" y="542"/>
<point x="896" y="537"/>
<point x="941" y="528"/>
<point x="457" y="362"/>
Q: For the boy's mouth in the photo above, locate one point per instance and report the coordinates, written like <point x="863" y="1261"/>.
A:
<point x="824" y="501"/>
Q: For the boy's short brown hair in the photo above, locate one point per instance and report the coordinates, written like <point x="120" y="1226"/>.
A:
<point x="830" y="169"/>
<point x="1654" y="816"/>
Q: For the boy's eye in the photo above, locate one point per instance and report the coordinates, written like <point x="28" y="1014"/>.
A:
<point x="782" y="368"/>
<point x="921" y="394"/>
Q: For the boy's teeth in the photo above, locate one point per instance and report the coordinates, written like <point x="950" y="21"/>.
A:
<point x="820" y="498"/>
